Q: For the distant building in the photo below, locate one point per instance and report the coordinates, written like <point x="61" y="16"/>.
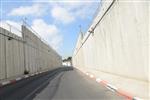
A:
<point x="67" y="62"/>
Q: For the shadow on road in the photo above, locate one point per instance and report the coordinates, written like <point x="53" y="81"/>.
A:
<point x="27" y="88"/>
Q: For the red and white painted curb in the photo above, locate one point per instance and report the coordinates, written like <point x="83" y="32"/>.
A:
<point x="125" y="94"/>
<point x="12" y="81"/>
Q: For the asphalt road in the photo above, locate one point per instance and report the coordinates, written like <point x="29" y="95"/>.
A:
<point x="74" y="85"/>
<point x="26" y="89"/>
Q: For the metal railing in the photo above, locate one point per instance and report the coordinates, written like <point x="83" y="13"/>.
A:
<point x="95" y="13"/>
<point x="15" y="30"/>
<point x="37" y="34"/>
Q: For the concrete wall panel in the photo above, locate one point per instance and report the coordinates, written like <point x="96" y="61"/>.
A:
<point x="39" y="53"/>
<point x="119" y="45"/>
<point x="27" y="53"/>
<point x="120" y="41"/>
<point x="2" y="56"/>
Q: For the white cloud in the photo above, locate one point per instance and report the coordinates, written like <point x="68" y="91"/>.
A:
<point x="65" y="1"/>
<point x="67" y="12"/>
<point x="61" y="14"/>
<point x="86" y="10"/>
<point x="35" y="10"/>
<point x="49" y="32"/>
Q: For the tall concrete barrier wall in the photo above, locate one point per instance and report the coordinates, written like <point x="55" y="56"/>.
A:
<point x="11" y="54"/>
<point x="38" y="55"/>
<point x="116" y="46"/>
<point x="27" y="53"/>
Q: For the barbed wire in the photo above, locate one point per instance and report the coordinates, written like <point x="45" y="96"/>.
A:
<point x="34" y="32"/>
<point x="11" y="28"/>
<point x="95" y="13"/>
<point x="18" y="32"/>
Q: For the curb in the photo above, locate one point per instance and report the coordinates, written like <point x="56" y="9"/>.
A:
<point x="13" y="81"/>
<point x="112" y="88"/>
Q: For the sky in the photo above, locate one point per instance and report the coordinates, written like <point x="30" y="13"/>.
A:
<point x="58" y="22"/>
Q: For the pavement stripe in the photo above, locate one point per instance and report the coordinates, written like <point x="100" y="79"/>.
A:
<point x="136" y="98"/>
<point x="36" y="73"/>
<point x="5" y="83"/>
<point x="32" y="75"/>
<point x="103" y="82"/>
<point x="112" y="88"/>
<point x="98" y="80"/>
<point x="19" y="78"/>
<point x="12" y="81"/>
<point x="26" y="76"/>
<point x="87" y="73"/>
<point x="91" y="76"/>
<point x="125" y="94"/>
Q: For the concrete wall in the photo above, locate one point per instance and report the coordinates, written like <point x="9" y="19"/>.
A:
<point x="119" y="45"/>
<point x="11" y="54"/>
<point x="2" y="56"/>
<point x="29" y="53"/>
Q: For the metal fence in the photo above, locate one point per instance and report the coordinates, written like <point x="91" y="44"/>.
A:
<point x="26" y="53"/>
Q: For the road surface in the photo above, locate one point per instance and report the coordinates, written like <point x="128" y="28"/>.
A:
<point x="74" y="85"/>
<point x="26" y="89"/>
